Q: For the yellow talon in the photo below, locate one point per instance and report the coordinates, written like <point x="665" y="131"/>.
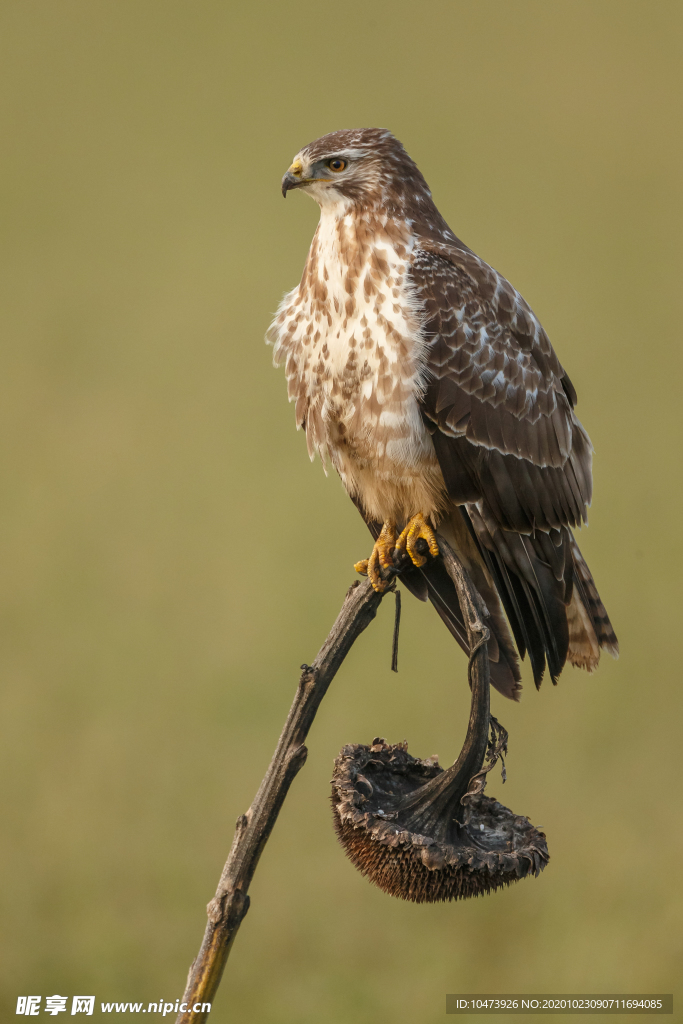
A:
<point x="417" y="528"/>
<point x="381" y="558"/>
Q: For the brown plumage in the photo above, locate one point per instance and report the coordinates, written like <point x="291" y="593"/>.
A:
<point x="428" y="382"/>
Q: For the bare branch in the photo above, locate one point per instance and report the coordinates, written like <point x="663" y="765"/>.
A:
<point x="227" y="909"/>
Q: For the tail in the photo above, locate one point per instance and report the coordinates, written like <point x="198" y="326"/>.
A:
<point x="590" y="629"/>
<point x="548" y="592"/>
<point x="540" y="582"/>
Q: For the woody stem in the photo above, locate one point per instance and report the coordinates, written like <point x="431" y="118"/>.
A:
<point x="228" y="908"/>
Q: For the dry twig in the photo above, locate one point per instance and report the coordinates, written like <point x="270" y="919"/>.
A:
<point x="227" y="909"/>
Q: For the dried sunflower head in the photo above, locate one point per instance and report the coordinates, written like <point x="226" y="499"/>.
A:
<point x="381" y="797"/>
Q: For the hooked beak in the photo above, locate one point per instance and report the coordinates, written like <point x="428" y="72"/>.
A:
<point x="294" y="178"/>
<point x="291" y="181"/>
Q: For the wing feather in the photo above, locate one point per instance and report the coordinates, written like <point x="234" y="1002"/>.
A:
<point x="500" y="410"/>
<point x="493" y="377"/>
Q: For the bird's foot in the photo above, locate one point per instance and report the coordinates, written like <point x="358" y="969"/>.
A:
<point x="417" y="529"/>
<point x="416" y="540"/>
<point x="380" y="559"/>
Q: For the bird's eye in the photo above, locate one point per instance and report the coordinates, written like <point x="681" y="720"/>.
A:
<point x="336" y="164"/>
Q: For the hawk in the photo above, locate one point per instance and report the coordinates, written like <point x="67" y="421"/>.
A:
<point x="430" y="385"/>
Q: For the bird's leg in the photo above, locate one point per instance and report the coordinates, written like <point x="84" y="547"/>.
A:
<point x="417" y="528"/>
<point x="381" y="558"/>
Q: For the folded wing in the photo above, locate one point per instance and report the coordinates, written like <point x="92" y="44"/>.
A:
<point x="513" y="454"/>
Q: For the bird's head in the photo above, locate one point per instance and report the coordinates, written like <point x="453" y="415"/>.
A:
<point x="366" y="166"/>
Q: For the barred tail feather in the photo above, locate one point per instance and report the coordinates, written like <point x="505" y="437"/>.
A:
<point x="548" y="593"/>
<point x="592" y="614"/>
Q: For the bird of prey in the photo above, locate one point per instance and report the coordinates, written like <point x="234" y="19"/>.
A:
<point x="430" y="385"/>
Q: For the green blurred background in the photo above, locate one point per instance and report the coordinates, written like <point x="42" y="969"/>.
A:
<point x="169" y="556"/>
